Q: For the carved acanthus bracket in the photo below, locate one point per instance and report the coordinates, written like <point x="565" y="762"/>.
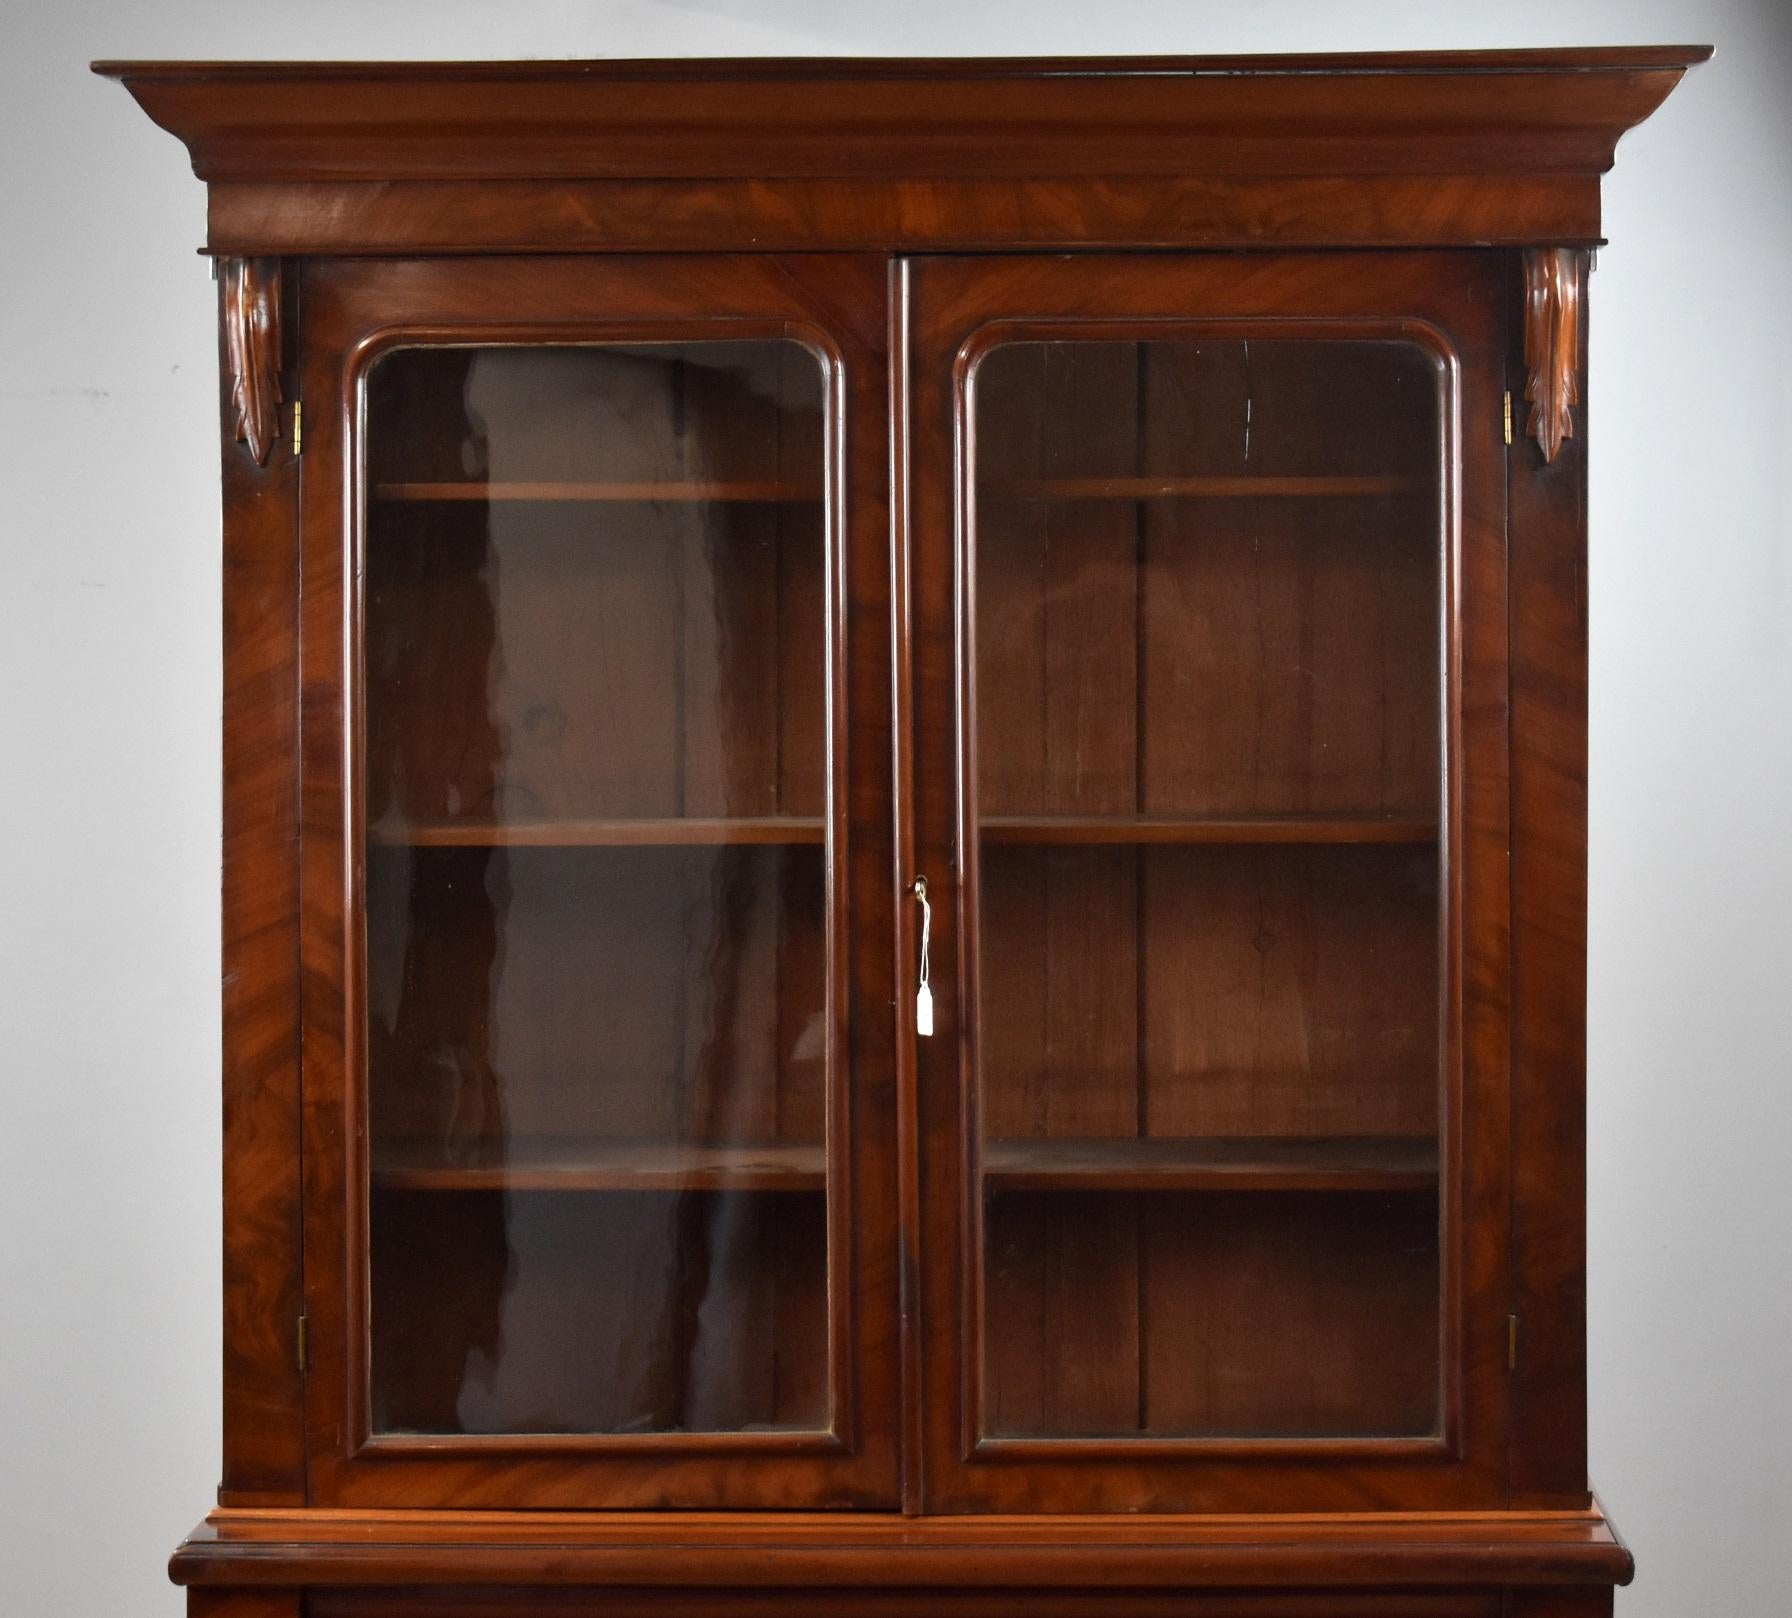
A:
<point x="252" y="349"/>
<point x="1551" y="344"/>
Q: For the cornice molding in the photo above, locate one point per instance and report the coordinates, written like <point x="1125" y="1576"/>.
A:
<point x="1438" y="150"/>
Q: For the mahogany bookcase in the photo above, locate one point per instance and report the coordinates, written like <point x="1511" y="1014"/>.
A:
<point x="904" y="834"/>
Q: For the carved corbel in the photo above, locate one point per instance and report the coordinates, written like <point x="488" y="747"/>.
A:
<point x="252" y="349"/>
<point x="1551" y="344"/>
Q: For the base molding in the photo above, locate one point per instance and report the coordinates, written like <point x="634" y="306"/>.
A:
<point x="318" y="1548"/>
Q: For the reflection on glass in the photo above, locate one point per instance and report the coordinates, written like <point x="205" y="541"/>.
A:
<point x="1207" y="586"/>
<point x="596" y="804"/>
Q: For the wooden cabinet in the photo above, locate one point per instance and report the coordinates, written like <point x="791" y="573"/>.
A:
<point x="904" y="834"/>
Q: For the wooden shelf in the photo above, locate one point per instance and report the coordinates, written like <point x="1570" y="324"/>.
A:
<point x="600" y="1166"/>
<point x="1345" y="1163"/>
<point x="667" y="832"/>
<point x="679" y="492"/>
<point x="1203" y="488"/>
<point x="1365" y="828"/>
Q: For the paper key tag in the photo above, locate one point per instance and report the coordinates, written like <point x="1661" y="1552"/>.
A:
<point x="924" y="1011"/>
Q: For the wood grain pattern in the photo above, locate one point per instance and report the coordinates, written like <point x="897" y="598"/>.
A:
<point x="252" y="349"/>
<point x="637" y="771"/>
<point x="636" y="1165"/>
<point x="1256" y="1101"/>
<point x="803" y="155"/>
<point x="698" y="490"/>
<point x="1350" y="1283"/>
<point x="1212" y="1163"/>
<point x="1097" y="298"/>
<point x="263" y="1392"/>
<point x="667" y="831"/>
<point x="1551" y="344"/>
<point x="1336" y="1552"/>
<point x="889" y="1604"/>
<point x="1144" y="830"/>
<point x="1291" y="991"/>
<point x="1036" y="212"/>
<point x="1548" y="567"/>
<point x="1546" y="112"/>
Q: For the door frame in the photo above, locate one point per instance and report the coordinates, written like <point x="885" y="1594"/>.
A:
<point x="352" y="311"/>
<point x="1451" y="304"/>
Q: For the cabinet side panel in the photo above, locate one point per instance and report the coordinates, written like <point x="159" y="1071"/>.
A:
<point x="1548" y="560"/>
<point x="264" y="1446"/>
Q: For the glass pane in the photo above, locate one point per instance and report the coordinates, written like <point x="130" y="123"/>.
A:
<point x="1208" y="774"/>
<point x="596" y="886"/>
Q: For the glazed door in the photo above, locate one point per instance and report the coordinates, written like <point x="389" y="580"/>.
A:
<point x="1208" y="612"/>
<point x="597" y="929"/>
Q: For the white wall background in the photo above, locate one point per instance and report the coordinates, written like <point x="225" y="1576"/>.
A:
<point x="109" y="655"/>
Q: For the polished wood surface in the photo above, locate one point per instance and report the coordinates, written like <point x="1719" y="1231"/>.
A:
<point x="1106" y="1350"/>
<point x="252" y="349"/>
<point x="1222" y="1250"/>
<point x="631" y="1165"/>
<point x="263" y="1282"/>
<point x="1032" y="1552"/>
<point x="578" y="832"/>
<point x="1436" y="149"/>
<point x="883" y="1604"/>
<point x="937" y="214"/>
<point x="1547" y="559"/>
<point x="1252" y="1163"/>
<point x="1142" y="830"/>
<point x="1552" y="286"/>
<point x="602" y="1056"/>
<point x="1498" y="112"/>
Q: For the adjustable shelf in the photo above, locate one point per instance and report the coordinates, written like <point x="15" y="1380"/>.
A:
<point x="1337" y="1163"/>
<point x="1202" y="488"/>
<point x="669" y="831"/>
<point x="1317" y="828"/>
<point x="601" y="1166"/>
<point x="763" y="491"/>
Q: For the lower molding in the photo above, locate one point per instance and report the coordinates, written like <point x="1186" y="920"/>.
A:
<point x="1580" y="1603"/>
<point x="887" y="1555"/>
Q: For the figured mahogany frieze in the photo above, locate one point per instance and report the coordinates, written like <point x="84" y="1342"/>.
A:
<point x="252" y="349"/>
<point x="1551" y="344"/>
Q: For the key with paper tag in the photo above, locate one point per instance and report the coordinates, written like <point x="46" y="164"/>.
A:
<point x="923" y="992"/>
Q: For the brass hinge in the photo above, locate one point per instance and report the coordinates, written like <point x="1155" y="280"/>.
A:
<point x="298" y="426"/>
<point x="1511" y="1342"/>
<point x="304" y="1343"/>
<point x="1508" y="417"/>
